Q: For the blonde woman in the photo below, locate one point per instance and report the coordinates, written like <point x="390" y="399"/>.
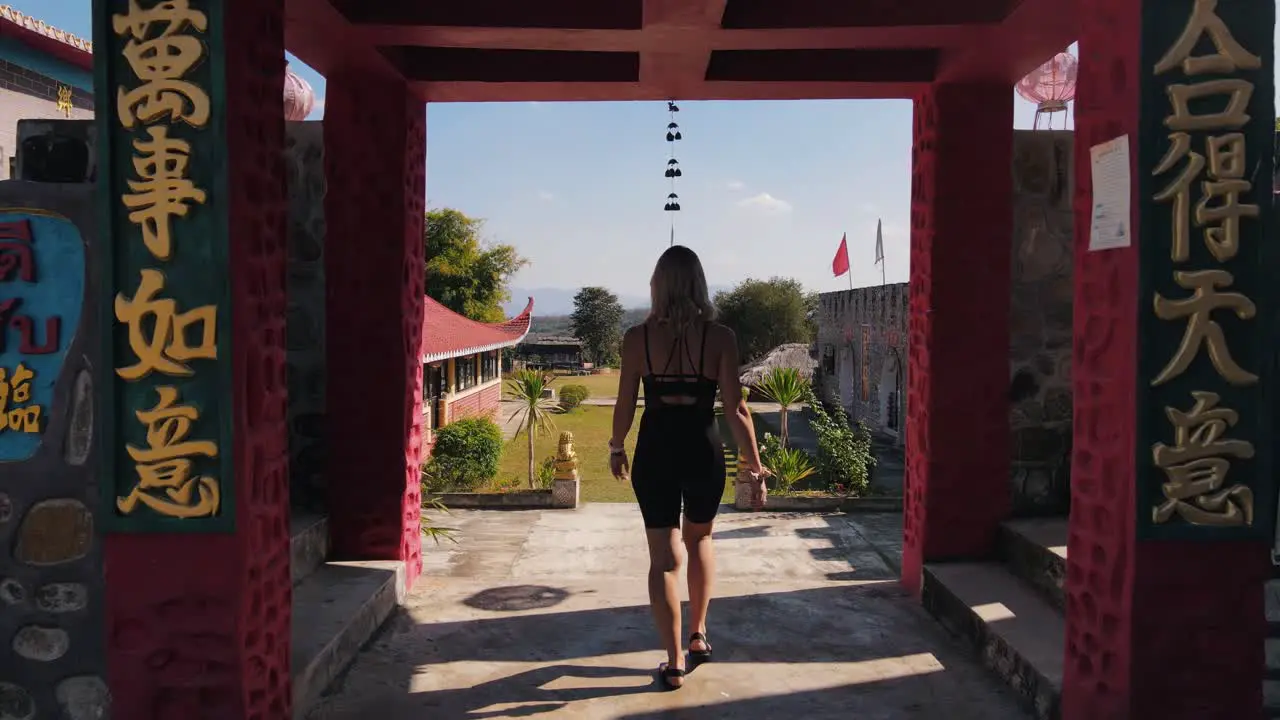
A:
<point x="682" y="356"/>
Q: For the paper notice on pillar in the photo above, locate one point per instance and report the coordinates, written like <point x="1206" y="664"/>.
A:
<point x="1109" y="166"/>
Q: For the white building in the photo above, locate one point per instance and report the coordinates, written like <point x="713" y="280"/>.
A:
<point x="45" y="74"/>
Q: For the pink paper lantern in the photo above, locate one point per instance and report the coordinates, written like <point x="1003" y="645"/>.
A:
<point x="1051" y="86"/>
<point x="299" y="98"/>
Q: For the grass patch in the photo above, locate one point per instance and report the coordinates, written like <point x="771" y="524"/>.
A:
<point x="604" y="385"/>
<point x="591" y="427"/>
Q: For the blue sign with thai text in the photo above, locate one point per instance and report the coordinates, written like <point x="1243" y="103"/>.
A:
<point x="42" y="265"/>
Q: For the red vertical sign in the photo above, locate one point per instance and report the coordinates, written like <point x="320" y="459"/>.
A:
<point x="866" y="363"/>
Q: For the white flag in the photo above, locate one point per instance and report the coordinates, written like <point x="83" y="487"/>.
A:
<point x="879" y="243"/>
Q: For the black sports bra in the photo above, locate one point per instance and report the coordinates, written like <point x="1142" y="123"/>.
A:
<point x="666" y="389"/>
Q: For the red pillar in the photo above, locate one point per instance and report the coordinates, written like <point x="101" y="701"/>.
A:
<point x="198" y="608"/>
<point x="375" y="160"/>
<point x="1165" y="617"/>
<point x="957" y="486"/>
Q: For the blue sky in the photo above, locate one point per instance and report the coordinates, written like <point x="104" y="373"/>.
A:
<point x="768" y="187"/>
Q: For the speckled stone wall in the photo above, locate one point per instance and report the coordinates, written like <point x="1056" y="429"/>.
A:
<point x="842" y="349"/>
<point x="1040" y="323"/>
<point x="304" y="163"/>
<point x="52" y="654"/>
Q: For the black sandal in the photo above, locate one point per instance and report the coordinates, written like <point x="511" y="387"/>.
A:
<point x="699" y="655"/>
<point x="666" y="674"/>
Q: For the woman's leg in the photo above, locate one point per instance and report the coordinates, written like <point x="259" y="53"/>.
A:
<point x="702" y="565"/>
<point x="665" y="558"/>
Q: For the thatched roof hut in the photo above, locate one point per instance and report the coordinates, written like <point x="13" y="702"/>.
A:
<point x="792" y="355"/>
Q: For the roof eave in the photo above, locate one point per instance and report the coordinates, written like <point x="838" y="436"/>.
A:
<point x="526" y="314"/>
<point x="12" y="25"/>
<point x="447" y="354"/>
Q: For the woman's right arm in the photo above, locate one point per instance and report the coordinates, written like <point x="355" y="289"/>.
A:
<point x="735" y="407"/>
<point x="624" y="407"/>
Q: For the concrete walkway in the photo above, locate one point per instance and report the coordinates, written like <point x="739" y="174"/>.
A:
<point x="544" y="614"/>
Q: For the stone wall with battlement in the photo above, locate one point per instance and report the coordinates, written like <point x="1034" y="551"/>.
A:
<point x="862" y="333"/>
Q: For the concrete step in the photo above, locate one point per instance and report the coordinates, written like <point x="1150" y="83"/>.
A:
<point x="1035" y="549"/>
<point x="308" y="543"/>
<point x="336" y="610"/>
<point x="1271" y="685"/>
<point x="1017" y="633"/>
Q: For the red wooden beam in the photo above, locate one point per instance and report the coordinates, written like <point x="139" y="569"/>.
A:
<point x="664" y="38"/>
<point x="587" y="92"/>
<point x="322" y="38"/>
<point x="1034" y="32"/>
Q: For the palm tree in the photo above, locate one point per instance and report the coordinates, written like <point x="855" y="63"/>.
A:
<point x="534" y="416"/>
<point x="783" y="385"/>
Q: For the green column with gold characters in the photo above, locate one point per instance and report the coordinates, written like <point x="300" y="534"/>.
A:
<point x="165" y="391"/>
<point x="1207" y="273"/>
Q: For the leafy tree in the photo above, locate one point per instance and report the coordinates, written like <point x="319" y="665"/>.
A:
<point x="767" y="313"/>
<point x="465" y="274"/>
<point x="597" y="322"/>
<point x="534" y="414"/>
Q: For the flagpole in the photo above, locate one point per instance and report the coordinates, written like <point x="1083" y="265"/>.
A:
<point x="849" y="272"/>
<point x="880" y="250"/>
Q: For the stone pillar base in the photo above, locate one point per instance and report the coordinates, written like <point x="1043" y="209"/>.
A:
<point x="566" y="493"/>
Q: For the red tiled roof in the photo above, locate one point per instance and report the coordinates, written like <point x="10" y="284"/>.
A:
<point x="447" y="334"/>
<point x="46" y="38"/>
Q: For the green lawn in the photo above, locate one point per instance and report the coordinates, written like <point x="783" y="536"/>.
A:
<point x="591" y="427"/>
<point x="604" y="385"/>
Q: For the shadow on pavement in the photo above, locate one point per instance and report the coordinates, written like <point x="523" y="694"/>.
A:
<point x="883" y="659"/>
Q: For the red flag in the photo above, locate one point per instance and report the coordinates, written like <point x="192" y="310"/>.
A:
<point x="840" y="265"/>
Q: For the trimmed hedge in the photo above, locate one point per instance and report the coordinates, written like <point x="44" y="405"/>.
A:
<point x="571" y="396"/>
<point x="465" y="456"/>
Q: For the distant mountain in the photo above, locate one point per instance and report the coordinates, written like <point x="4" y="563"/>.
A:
<point x="559" y="301"/>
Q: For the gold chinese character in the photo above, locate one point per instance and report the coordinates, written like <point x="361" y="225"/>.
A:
<point x="1179" y="190"/>
<point x="1226" y="164"/>
<point x="166" y="349"/>
<point x="1201" y="328"/>
<point x="64" y="100"/>
<point x="161" y="62"/>
<point x="15" y="392"/>
<point x="1230" y="55"/>
<point x="1232" y="117"/>
<point x="1196" y="466"/>
<point x="166" y="463"/>
<point x="1226" y="167"/>
<point x="162" y="190"/>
